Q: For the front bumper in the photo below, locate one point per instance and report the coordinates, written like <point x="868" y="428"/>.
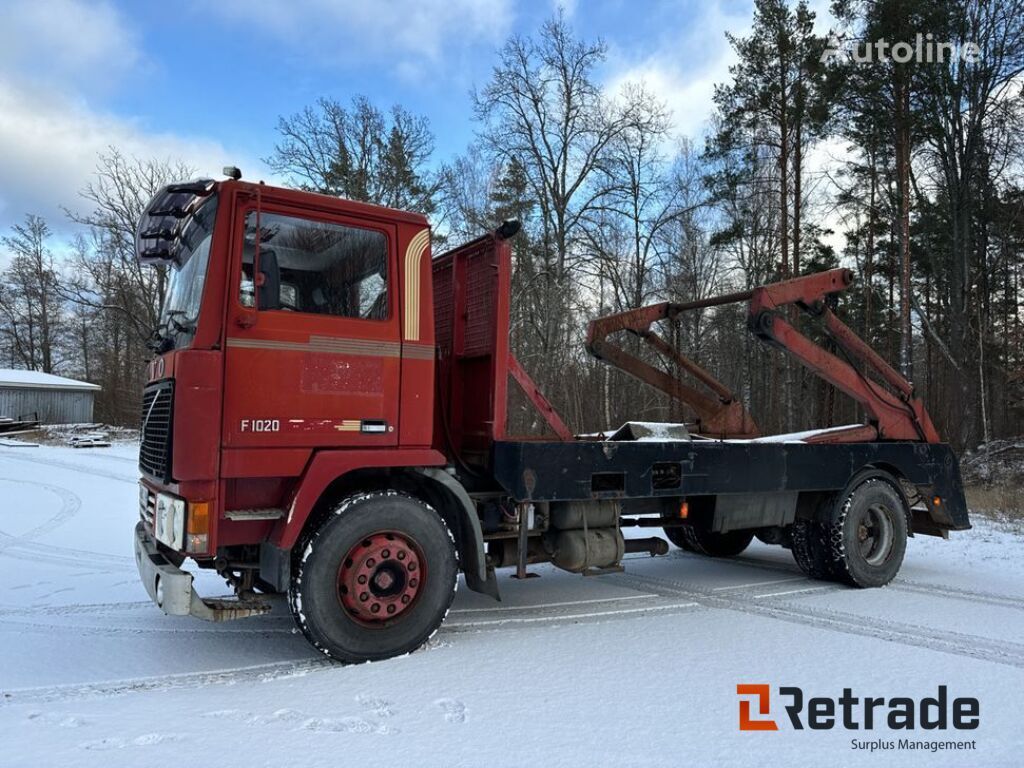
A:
<point x="171" y="588"/>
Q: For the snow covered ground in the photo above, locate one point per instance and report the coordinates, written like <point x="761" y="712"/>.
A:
<point x="633" y="669"/>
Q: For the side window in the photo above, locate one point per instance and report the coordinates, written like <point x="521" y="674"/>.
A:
<point x="316" y="267"/>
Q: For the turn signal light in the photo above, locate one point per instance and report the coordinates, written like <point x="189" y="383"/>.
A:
<point x="684" y="509"/>
<point x="197" y="539"/>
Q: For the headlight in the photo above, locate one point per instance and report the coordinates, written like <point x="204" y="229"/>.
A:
<point x="169" y="521"/>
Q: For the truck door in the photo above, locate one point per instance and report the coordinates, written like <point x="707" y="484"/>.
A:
<point x="317" y="362"/>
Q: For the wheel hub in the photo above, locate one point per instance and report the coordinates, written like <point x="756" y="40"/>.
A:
<point x="380" y="578"/>
<point x="875" y="534"/>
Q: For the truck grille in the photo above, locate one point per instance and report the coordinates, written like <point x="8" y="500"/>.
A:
<point x="157" y="418"/>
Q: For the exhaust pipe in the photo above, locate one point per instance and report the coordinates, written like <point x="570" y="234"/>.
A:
<point x="652" y="546"/>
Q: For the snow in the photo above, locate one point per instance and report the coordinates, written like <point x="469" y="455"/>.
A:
<point x="633" y="669"/>
<point x="793" y="437"/>
<point x="13" y="377"/>
<point x="651" y="431"/>
<point x="670" y="432"/>
<point x="799" y="437"/>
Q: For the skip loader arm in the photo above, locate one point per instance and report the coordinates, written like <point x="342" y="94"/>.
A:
<point x="895" y="413"/>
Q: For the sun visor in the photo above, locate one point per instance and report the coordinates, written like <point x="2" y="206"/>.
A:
<point x="162" y="221"/>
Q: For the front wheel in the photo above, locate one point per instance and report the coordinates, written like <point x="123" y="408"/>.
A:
<point x="376" y="579"/>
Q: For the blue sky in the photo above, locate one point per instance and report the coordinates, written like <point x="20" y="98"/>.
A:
<point x="206" y="81"/>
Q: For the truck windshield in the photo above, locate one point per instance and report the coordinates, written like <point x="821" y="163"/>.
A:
<point x="187" y="276"/>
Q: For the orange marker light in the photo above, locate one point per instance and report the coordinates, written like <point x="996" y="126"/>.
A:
<point x="684" y="509"/>
<point x="197" y="539"/>
<point x="936" y="501"/>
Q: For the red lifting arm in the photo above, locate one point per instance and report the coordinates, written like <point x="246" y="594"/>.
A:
<point x="896" y="415"/>
<point x="720" y="415"/>
<point x="892" y="415"/>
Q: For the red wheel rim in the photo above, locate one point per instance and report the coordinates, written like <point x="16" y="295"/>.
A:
<point x="380" y="578"/>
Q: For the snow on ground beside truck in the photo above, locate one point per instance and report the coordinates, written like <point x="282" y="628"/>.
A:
<point x="637" y="669"/>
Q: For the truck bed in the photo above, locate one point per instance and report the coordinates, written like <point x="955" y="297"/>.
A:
<point x="643" y="469"/>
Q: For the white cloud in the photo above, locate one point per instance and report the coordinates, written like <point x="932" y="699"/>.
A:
<point x="682" y="68"/>
<point x="682" y="72"/>
<point x="88" y="45"/>
<point x="400" y="34"/>
<point x="49" y="144"/>
<point x="49" y="138"/>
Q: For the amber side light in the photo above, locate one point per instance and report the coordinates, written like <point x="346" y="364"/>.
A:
<point x="684" y="509"/>
<point x="197" y="532"/>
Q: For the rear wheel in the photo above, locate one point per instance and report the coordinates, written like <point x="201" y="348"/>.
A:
<point x="376" y="579"/>
<point x="868" y="540"/>
<point x="677" y="536"/>
<point x="809" y="545"/>
<point x="865" y="539"/>
<point x="709" y="543"/>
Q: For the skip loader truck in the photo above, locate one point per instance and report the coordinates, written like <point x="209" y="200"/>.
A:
<point x="325" y="415"/>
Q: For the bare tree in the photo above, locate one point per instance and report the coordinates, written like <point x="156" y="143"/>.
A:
<point x="623" y="231"/>
<point x="359" y="153"/>
<point x="543" y="110"/>
<point x="110" y="276"/>
<point x="31" y="308"/>
<point x="119" y="298"/>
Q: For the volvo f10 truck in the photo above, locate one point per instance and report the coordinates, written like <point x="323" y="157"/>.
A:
<point x="326" y="416"/>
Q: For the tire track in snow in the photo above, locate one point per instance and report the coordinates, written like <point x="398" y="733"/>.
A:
<point x="900" y="584"/>
<point x="256" y="673"/>
<point x="956" y="643"/>
<point x="121" y="478"/>
<point x="955" y="593"/>
<point x="80" y="630"/>
<point x="498" y="618"/>
<point x="70" y="504"/>
<point x="654" y="604"/>
<point x="109" y="619"/>
<point x="104" y="617"/>
<point x="92" y="609"/>
<point x="93" y="562"/>
<point x="23" y="547"/>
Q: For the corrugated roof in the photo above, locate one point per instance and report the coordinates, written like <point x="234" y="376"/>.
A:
<point x="14" y="378"/>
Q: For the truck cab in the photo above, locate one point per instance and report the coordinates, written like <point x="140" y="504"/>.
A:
<point x="292" y="323"/>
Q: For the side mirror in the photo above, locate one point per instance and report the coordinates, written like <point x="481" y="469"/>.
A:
<point x="268" y="284"/>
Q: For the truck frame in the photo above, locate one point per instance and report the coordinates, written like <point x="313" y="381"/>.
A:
<point x="326" y="416"/>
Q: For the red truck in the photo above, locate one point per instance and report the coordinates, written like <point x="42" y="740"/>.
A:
<point x="325" y="416"/>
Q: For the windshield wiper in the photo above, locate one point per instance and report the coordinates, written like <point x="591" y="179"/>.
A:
<point x="160" y="341"/>
<point x="188" y="326"/>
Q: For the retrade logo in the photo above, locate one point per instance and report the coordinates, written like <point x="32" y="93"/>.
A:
<point x="762" y="696"/>
<point x="853" y="713"/>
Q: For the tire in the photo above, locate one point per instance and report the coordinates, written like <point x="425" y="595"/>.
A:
<point x="868" y="539"/>
<point x="709" y="543"/>
<point x="376" y="579"/>
<point x="810" y="549"/>
<point x="677" y="535"/>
